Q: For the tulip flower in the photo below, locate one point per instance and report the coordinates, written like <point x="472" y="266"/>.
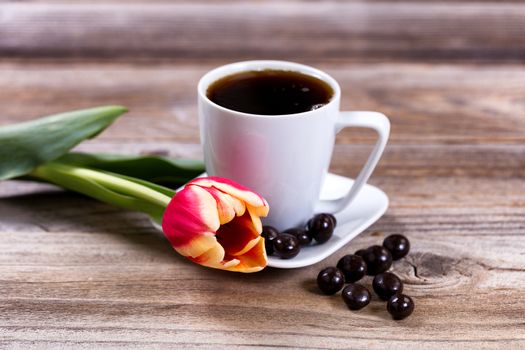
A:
<point x="212" y="221"/>
<point x="216" y="222"/>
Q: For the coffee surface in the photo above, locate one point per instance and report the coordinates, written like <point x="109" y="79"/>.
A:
<point x="270" y="92"/>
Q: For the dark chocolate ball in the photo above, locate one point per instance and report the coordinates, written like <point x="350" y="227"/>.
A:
<point x="398" y="245"/>
<point x="269" y="233"/>
<point x="378" y="259"/>
<point x="304" y="237"/>
<point x="360" y="252"/>
<point x="321" y="227"/>
<point x="353" y="267"/>
<point x="331" y="216"/>
<point x="330" y="280"/>
<point x="387" y="284"/>
<point x="286" y="246"/>
<point x="356" y="296"/>
<point x="400" y="306"/>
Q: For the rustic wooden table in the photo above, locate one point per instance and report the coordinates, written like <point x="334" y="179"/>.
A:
<point x="79" y="274"/>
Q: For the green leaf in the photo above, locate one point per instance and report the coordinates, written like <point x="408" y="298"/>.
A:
<point x="170" y="172"/>
<point x="26" y="145"/>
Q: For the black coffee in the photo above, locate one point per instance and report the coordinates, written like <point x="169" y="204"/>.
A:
<point x="270" y="92"/>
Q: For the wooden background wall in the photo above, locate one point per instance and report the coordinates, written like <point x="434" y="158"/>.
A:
<point x="290" y="29"/>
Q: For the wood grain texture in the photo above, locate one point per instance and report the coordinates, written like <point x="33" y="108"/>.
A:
<point x="77" y="273"/>
<point x="427" y="103"/>
<point x="284" y="29"/>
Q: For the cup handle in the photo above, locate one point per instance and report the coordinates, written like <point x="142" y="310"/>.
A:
<point x="361" y="119"/>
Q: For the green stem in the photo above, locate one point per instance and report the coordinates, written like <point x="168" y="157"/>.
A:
<point x="104" y="187"/>
<point x="119" y="184"/>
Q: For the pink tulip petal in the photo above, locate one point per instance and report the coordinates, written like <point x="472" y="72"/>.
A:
<point x="256" y="220"/>
<point x="191" y="212"/>
<point x="224" y="208"/>
<point x="235" y="190"/>
<point x="238" y="205"/>
<point x="199" y="245"/>
<point x="212" y="257"/>
<point x="227" y="206"/>
<point x="259" y="211"/>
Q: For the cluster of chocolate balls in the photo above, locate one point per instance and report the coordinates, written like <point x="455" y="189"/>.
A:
<point x="373" y="261"/>
<point x="287" y="244"/>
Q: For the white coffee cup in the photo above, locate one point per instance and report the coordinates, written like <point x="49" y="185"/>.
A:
<point x="285" y="158"/>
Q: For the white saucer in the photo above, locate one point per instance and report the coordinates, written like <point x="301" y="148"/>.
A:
<point x="369" y="205"/>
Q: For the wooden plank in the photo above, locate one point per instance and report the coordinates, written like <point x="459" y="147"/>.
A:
<point x="324" y="30"/>
<point x="427" y="104"/>
<point x="76" y="273"/>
